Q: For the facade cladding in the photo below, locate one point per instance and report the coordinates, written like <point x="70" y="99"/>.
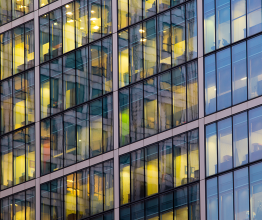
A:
<point x="130" y="109"/>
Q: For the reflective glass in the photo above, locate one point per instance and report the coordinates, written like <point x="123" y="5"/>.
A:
<point x="149" y="8"/>
<point x="45" y="90"/>
<point x="29" y="45"/>
<point x="55" y="34"/>
<point x="180" y="204"/>
<point x="163" y="5"/>
<point x="18" y="49"/>
<point x="30" y="204"/>
<point x="137" y="211"/>
<point x="5" y="11"/>
<point x="135" y="11"/>
<point x="194" y="202"/>
<point x="125" y="179"/>
<point x="212" y="199"/>
<point x="108" y="185"/>
<point x="44" y="37"/>
<point x="30" y="152"/>
<point x="122" y="13"/>
<point x="70" y="192"/>
<point x="211" y="149"/>
<point x="166" y="206"/>
<point x="68" y="27"/>
<point x="193" y="156"/>
<point x="254" y="16"/>
<point x="45" y="147"/>
<point x="108" y="123"/>
<point x="238" y="19"/>
<point x="6" y="106"/>
<point x="123" y="58"/>
<point x="210" y="85"/>
<point x="45" y="201"/>
<point x="19" y="206"/>
<point x="81" y="22"/>
<point x="106" y="17"/>
<point x="209" y="25"/>
<point x="7" y="208"/>
<point x="152" y="209"/>
<point x="95" y="19"/>
<point x="6" y="54"/>
<point x="107" y="64"/>
<point x="57" y="204"/>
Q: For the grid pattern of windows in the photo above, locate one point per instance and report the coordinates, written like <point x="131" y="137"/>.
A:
<point x="80" y="194"/>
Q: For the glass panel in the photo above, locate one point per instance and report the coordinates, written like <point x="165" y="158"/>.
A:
<point x="45" y="90"/>
<point x="30" y="152"/>
<point x="165" y="165"/>
<point x="192" y="91"/>
<point x="125" y="176"/>
<point x="135" y="11"/>
<point x="125" y="213"/>
<point x="136" y="112"/>
<point x="123" y="54"/>
<point x="6" y="106"/>
<point x="149" y="8"/>
<point x="137" y="174"/>
<point x="96" y="128"/>
<point x="239" y="73"/>
<point x="30" y="204"/>
<point x="82" y="121"/>
<point x="193" y="156"/>
<point x="95" y="70"/>
<point x="150" y="107"/>
<point x="19" y="157"/>
<point x="223" y="79"/>
<point x="69" y="138"/>
<point x="211" y="149"/>
<point x="108" y="185"/>
<point x="83" y="194"/>
<point x="7" y="208"/>
<point x="5" y="12"/>
<point x="57" y="200"/>
<point x="194" y="203"/>
<point x="165" y="101"/>
<point x="107" y="17"/>
<point x="17" y="9"/>
<point x="224" y="128"/>
<point x="109" y="216"/>
<point x="44" y="37"/>
<point x="43" y="3"/>
<point x="212" y="199"/>
<point x="222" y="23"/>
<point x="107" y="64"/>
<point x="255" y="191"/>
<point x="164" y="41"/>
<point x="240" y="139"/>
<point x="69" y="79"/>
<point x="6" y="54"/>
<point x="191" y="28"/>
<point x="122" y="13"/>
<point x="166" y="206"/>
<point x="28" y="6"/>
<point x="226" y="197"/>
<point x="18" y="49"/>
<point x="95" y="20"/>
<point x="6" y="162"/>
<point x="108" y="123"/>
<point x="209" y="25"/>
<point x="124" y="117"/>
<point x="137" y="211"/>
<point x="70" y="193"/>
<point x="19" y="206"/>
<point x="241" y="194"/>
<point x="255" y="132"/>
<point x="253" y="17"/>
<point x="45" y="201"/>
<point x="30" y="97"/>
<point x="96" y="184"/>
<point x="163" y="5"/>
<point x="81" y="19"/>
<point x="149" y="47"/>
<point x="136" y="53"/>
<point x="152" y="209"/>
<point x="254" y="46"/>
<point x="68" y="27"/>
<point x="151" y="170"/>
<point x="180" y="159"/>
<point x="29" y="44"/>
<point x="56" y="143"/>
<point x="238" y="19"/>
<point x="55" y="38"/>
<point x="56" y="91"/>
<point x="180" y="204"/>
<point x="45" y="147"/>
<point x="179" y="95"/>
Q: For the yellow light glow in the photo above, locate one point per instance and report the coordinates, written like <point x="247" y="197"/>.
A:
<point x="81" y="28"/>
<point x="69" y="13"/>
<point x="55" y="23"/>
<point x="70" y="21"/>
<point x="92" y="19"/>
<point x="67" y="6"/>
<point x="96" y="27"/>
<point x="92" y="11"/>
<point x="42" y="4"/>
<point x="141" y="31"/>
<point x="79" y="140"/>
<point x="143" y="39"/>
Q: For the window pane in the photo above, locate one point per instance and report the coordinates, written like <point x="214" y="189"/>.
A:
<point x="125" y="213"/>
<point x="107" y="17"/>
<point x="238" y="19"/>
<point x="125" y="176"/>
<point x="108" y="123"/>
<point x="193" y="156"/>
<point x="29" y="6"/>
<point x="152" y="209"/>
<point x="30" y="97"/>
<point x="149" y="8"/>
<point x="223" y="79"/>
<point x="123" y="55"/>
<point x="95" y="20"/>
<point x="241" y="194"/>
<point x="222" y="23"/>
<point x="45" y="90"/>
<point x="5" y="11"/>
<point x="211" y="149"/>
<point x="82" y="120"/>
<point x="18" y="49"/>
<point x="6" y="162"/>
<point x="68" y="27"/>
<point x="137" y="211"/>
<point x="149" y="47"/>
<point x="191" y="27"/>
<point x="226" y="197"/>
<point x="69" y="138"/>
<point x="19" y="206"/>
<point x="255" y="132"/>
<point x="240" y="135"/>
<point x="151" y="170"/>
<point x="69" y="80"/>
<point x="44" y="37"/>
<point x="81" y="18"/>
<point x="45" y="147"/>
<point x="57" y="200"/>
<point x="96" y="184"/>
<point x="150" y="107"/>
<point x="180" y="159"/>
<point x="194" y="203"/>
<point x="166" y="206"/>
<point x="45" y="201"/>
<point x="165" y="101"/>
<point x="212" y="199"/>
<point x="135" y="11"/>
<point x="124" y="117"/>
<point x="17" y="9"/>
<point x="179" y="95"/>
<point x="6" y="54"/>
<point x="224" y="144"/>
<point x="56" y="143"/>
<point x="122" y="13"/>
<point x="254" y="71"/>
<point x="107" y="64"/>
<point x="180" y="204"/>
<point x="239" y="73"/>
<point x="253" y="17"/>
<point x="165" y="165"/>
<point x="30" y="204"/>
<point x="209" y="25"/>
<point x="108" y="185"/>
<point x="82" y="84"/>
<point x="30" y="152"/>
<point x="19" y="156"/>
<point x="96" y="128"/>
<point x="136" y="113"/>
<point x="137" y="174"/>
<point x="29" y="44"/>
<point x="163" y="5"/>
<point x="55" y="38"/>
<point x="192" y="91"/>
<point x="164" y="41"/>
<point x="70" y="193"/>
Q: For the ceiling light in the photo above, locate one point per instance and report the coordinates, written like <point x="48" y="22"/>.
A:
<point x="69" y="13"/>
<point x="67" y="6"/>
<point x="96" y="27"/>
<point x="141" y="31"/>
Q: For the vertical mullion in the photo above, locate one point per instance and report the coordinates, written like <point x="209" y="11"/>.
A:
<point x="186" y="6"/>
<point x="188" y="207"/>
<point x="249" y="189"/>
<point x="217" y="147"/>
<point x="215" y="11"/>
<point x="233" y="174"/>
<point x="218" y="195"/>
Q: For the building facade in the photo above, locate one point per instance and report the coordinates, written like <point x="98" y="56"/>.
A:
<point x="130" y="109"/>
